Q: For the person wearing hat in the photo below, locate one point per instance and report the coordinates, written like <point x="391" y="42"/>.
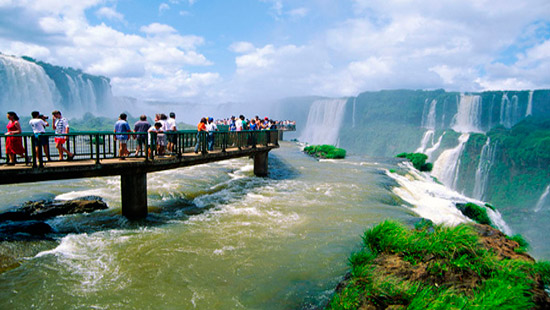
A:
<point x="210" y="128"/>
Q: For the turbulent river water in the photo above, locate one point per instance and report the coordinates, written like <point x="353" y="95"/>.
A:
<point x="217" y="237"/>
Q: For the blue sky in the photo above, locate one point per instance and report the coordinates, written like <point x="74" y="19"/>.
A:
<point x="257" y="50"/>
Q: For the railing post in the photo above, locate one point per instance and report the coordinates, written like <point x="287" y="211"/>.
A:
<point x="92" y="147"/>
<point x="147" y="147"/>
<point x="97" y="149"/>
<point x="26" y="150"/>
<point x="34" y="155"/>
<point x="224" y="141"/>
<point x="204" y="142"/>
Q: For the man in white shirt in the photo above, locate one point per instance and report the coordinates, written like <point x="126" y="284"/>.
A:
<point x="172" y="138"/>
<point x="210" y="128"/>
<point x="61" y="126"/>
<point x="39" y="124"/>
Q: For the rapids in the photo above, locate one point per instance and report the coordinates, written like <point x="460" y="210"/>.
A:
<point x="217" y="237"/>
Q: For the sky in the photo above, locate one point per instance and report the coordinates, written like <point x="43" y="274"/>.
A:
<point x="215" y="51"/>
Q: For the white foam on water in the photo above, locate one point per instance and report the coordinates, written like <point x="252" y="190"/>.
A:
<point x="89" y="259"/>
<point x="436" y="202"/>
<point x="446" y="167"/>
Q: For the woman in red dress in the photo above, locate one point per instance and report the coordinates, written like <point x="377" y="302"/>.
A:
<point x="14" y="145"/>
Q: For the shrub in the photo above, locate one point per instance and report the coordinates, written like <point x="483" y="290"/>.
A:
<point x="418" y="160"/>
<point x="474" y="212"/>
<point x="325" y="151"/>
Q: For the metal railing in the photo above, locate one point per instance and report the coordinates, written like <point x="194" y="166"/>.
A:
<point x="98" y="145"/>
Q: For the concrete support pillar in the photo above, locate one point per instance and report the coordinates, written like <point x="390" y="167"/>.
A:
<point x="280" y="132"/>
<point x="260" y="164"/>
<point x="134" y="195"/>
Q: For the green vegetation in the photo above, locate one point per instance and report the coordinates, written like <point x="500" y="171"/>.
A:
<point x="418" y="160"/>
<point x="474" y="212"/>
<point x="523" y="244"/>
<point x="438" y="267"/>
<point x="325" y="151"/>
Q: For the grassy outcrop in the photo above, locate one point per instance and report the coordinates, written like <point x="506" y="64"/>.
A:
<point x="469" y="266"/>
<point x="418" y="160"/>
<point x="325" y="151"/>
<point x="474" y="212"/>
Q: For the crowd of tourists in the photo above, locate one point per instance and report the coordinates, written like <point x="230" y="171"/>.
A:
<point x="38" y="123"/>
<point x="159" y="136"/>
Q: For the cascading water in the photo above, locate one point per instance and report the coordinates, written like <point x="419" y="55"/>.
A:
<point x="446" y="167"/>
<point x="509" y="111"/>
<point x="529" y="110"/>
<point x="486" y="161"/>
<point x="324" y="121"/>
<point x="468" y="116"/>
<point x="29" y="85"/>
<point x="543" y="199"/>
<point x="25" y="86"/>
<point x="428" y="121"/>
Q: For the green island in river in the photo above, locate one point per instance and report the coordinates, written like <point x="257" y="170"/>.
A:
<point x="325" y="151"/>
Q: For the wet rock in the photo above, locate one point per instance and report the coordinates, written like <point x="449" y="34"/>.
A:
<point x="24" y="230"/>
<point x="42" y="209"/>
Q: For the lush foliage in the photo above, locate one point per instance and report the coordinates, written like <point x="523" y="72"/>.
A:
<point x="418" y="160"/>
<point x="325" y="151"/>
<point x="446" y="268"/>
<point x="474" y="212"/>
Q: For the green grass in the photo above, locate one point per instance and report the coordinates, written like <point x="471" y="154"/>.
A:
<point x="446" y="255"/>
<point x="418" y="160"/>
<point x="325" y="151"/>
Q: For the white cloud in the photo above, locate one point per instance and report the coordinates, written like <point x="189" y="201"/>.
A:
<point x="241" y="47"/>
<point x="163" y="7"/>
<point x="157" y="29"/>
<point x="109" y="13"/>
<point x="298" y="12"/>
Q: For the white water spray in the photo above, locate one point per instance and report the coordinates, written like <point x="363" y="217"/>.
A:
<point x="446" y="167"/>
<point x="543" y="199"/>
<point x="428" y="121"/>
<point x="486" y="161"/>
<point x="353" y="113"/>
<point x="509" y="111"/>
<point x="468" y="115"/>
<point x="529" y="110"/>
<point x="324" y="121"/>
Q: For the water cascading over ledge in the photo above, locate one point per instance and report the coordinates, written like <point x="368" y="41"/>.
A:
<point x="324" y="121"/>
<point x="29" y="85"/>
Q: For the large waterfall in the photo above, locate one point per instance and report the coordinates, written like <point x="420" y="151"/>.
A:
<point x="468" y="116"/>
<point x="24" y="86"/>
<point x="30" y="85"/>
<point x="446" y="167"/>
<point x="509" y="111"/>
<point x="486" y="160"/>
<point x="324" y="121"/>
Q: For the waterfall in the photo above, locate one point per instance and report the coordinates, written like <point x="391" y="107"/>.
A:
<point x="529" y="110"/>
<point x="446" y="167"/>
<point x="353" y="113"/>
<point x="509" y="111"/>
<point x="434" y="147"/>
<point x="468" y="115"/>
<point x="428" y="121"/>
<point x="428" y="136"/>
<point x="28" y="85"/>
<point x="324" y="121"/>
<point x="25" y="86"/>
<point x="543" y="199"/>
<point x="486" y="160"/>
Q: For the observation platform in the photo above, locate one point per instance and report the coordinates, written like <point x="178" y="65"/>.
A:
<point x="94" y="159"/>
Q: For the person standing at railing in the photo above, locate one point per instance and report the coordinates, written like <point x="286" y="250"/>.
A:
<point x="61" y="126"/>
<point x="121" y="126"/>
<point x="161" y="137"/>
<point x="14" y="145"/>
<point x="141" y="126"/>
<point x="172" y="127"/>
<point x="200" y="127"/>
<point x="211" y="128"/>
<point x="153" y="136"/>
<point x="39" y="124"/>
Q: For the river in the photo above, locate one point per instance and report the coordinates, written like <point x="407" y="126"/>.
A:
<point x="216" y="237"/>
